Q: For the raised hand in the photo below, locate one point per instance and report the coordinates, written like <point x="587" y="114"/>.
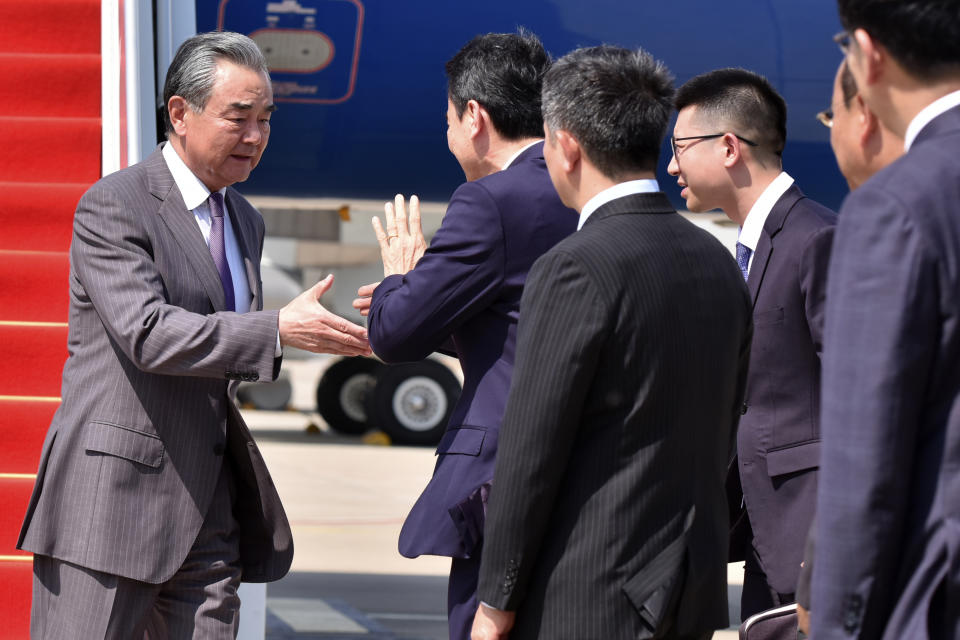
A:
<point x="402" y="244"/>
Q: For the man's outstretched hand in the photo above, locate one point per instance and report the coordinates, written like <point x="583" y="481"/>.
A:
<point x="306" y="324"/>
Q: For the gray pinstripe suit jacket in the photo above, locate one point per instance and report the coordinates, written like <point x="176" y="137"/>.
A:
<point x="133" y="454"/>
<point x="607" y="517"/>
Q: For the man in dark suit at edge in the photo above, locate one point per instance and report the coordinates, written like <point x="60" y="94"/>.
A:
<point x="607" y="516"/>
<point x="887" y="558"/>
<point x="862" y="145"/>
<point x="152" y="501"/>
<point x="728" y="140"/>
<point x="467" y="288"/>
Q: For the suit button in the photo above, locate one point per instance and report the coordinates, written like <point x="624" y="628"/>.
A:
<point x="218" y="449"/>
<point x="743" y="409"/>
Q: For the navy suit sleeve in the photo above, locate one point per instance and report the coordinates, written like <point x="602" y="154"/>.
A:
<point x="880" y="343"/>
<point x="560" y="336"/>
<point x="413" y="315"/>
<point x="814" y="263"/>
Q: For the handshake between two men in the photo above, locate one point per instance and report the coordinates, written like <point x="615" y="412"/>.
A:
<point x="306" y="324"/>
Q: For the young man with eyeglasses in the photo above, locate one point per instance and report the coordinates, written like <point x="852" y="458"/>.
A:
<point x="727" y="146"/>
<point x="887" y="560"/>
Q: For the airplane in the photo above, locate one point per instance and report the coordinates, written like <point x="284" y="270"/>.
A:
<point x="361" y="95"/>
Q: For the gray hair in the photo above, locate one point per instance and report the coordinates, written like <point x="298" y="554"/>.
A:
<point x="615" y="102"/>
<point x="194" y="68"/>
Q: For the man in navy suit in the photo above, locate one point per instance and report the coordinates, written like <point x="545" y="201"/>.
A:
<point x="887" y="559"/>
<point x="728" y="141"/>
<point x="463" y="294"/>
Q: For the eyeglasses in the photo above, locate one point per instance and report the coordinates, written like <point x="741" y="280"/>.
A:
<point x="844" y="39"/>
<point x="826" y="118"/>
<point x="674" y="141"/>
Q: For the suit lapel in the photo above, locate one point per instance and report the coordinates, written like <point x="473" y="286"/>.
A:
<point x="184" y="228"/>
<point x="246" y="238"/>
<point x="771" y="227"/>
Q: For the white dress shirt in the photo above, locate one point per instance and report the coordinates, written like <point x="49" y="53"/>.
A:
<point x="195" y="195"/>
<point x="757" y="216"/>
<point x="610" y="194"/>
<point x="928" y="113"/>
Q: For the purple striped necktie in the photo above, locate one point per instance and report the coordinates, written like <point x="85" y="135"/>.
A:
<point x="743" y="259"/>
<point x="218" y="250"/>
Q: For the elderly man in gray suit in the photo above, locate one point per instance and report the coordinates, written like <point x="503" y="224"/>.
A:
<point x="152" y="501"/>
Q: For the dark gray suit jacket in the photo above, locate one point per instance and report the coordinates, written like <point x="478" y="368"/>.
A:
<point x="146" y="421"/>
<point x="887" y="559"/>
<point x="778" y="442"/>
<point x="607" y="517"/>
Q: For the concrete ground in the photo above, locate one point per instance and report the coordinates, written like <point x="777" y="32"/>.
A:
<point x="346" y="501"/>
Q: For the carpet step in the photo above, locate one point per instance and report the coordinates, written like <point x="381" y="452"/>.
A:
<point x="16" y="578"/>
<point x="14" y="497"/>
<point x="50" y="26"/>
<point x="22" y="430"/>
<point x="38" y="216"/>
<point x="66" y="85"/>
<point x="50" y="149"/>
<point x="34" y="286"/>
<point x="34" y="357"/>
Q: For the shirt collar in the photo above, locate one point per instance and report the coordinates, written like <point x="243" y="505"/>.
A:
<point x="753" y="225"/>
<point x="610" y="194"/>
<point x="194" y="192"/>
<point x="519" y="151"/>
<point x="927" y="114"/>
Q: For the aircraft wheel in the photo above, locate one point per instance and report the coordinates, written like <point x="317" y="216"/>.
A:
<point x="342" y="394"/>
<point x="266" y="396"/>
<point x="413" y="402"/>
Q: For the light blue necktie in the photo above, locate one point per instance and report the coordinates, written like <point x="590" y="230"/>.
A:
<point x="743" y="258"/>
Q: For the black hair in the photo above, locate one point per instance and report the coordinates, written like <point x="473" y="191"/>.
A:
<point x="743" y="102"/>
<point x="503" y="72"/>
<point x="922" y="35"/>
<point x="615" y="102"/>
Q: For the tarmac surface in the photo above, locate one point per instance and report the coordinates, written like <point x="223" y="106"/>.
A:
<point x="346" y="501"/>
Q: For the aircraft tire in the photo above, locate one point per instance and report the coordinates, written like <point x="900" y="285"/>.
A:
<point x="343" y="391"/>
<point x="412" y="402"/>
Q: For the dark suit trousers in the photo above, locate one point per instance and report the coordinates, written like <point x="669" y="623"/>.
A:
<point x="199" y="601"/>
<point x="462" y="599"/>
<point x="757" y="594"/>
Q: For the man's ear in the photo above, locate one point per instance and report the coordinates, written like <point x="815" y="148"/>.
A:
<point x="569" y="150"/>
<point x="867" y="122"/>
<point x="477" y="117"/>
<point x="177" y="107"/>
<point x="732" y="150"/>
<point x="871" y="58"/>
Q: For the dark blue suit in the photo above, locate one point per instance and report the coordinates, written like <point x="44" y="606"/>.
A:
<point x="778" y="442"/>
<point x="887" y="561"/>
<point x="468" y="286"/>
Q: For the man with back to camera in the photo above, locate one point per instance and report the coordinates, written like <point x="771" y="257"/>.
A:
<point x="607" y="515"/>
<point x="467" y="287"/>
<point x="862" y="146"/>
<point x="887" y="558"/>
<point x="152" y="501"/>
<point x="728" y="141"/>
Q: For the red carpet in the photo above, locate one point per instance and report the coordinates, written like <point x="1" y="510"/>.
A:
<point x="50" y="125"/>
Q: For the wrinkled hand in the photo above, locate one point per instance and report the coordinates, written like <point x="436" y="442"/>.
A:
<point x="305" y="324"/>
<point x="365" y="297"/>
<point x="491" y="624"/>
<point x="402" y="244"/>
